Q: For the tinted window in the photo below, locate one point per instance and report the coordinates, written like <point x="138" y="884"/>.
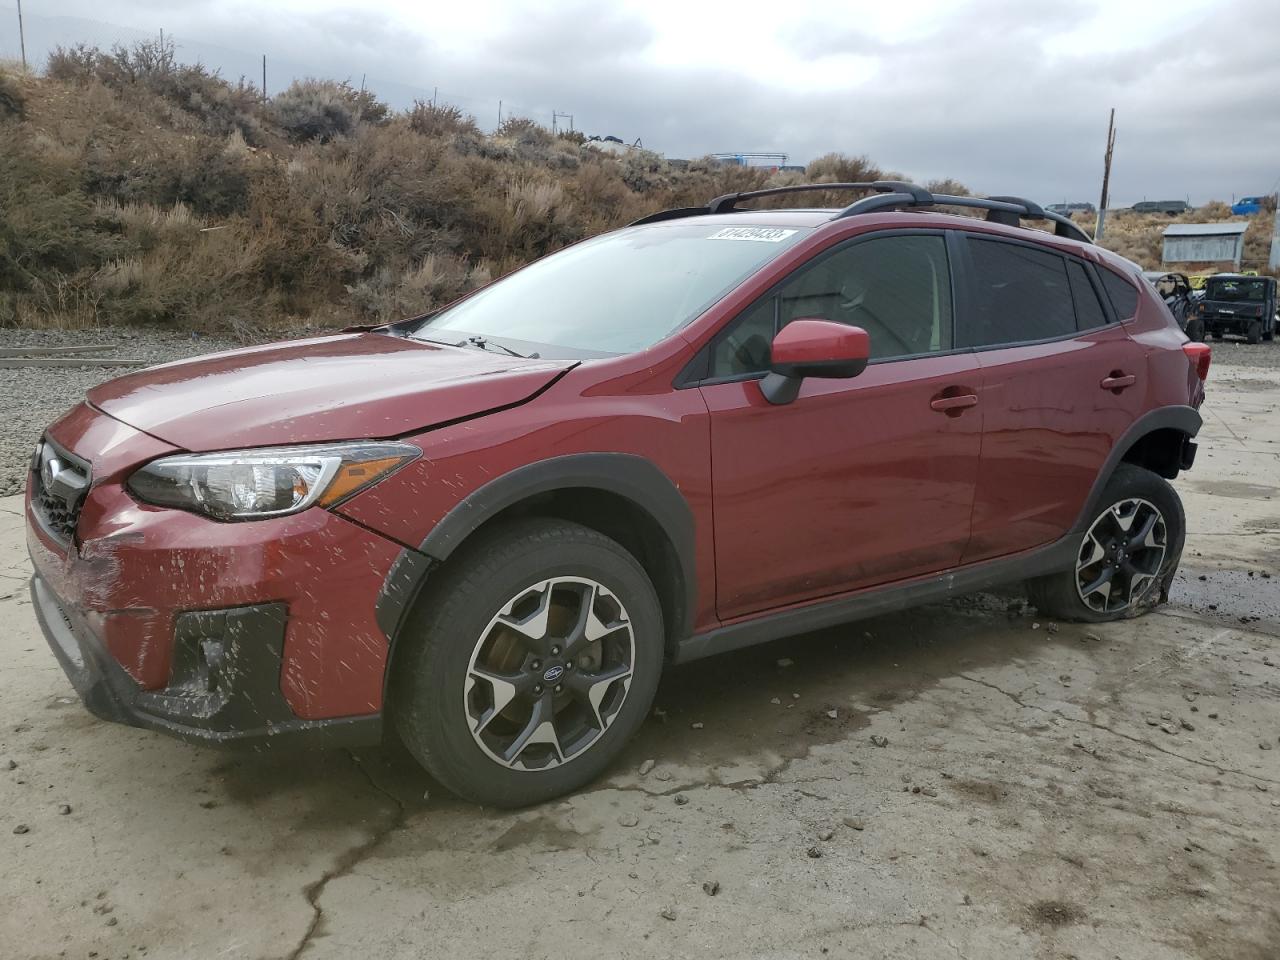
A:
<point x="1123" y="295"/>
<point x="1020" y="294"/>
<point x="1089" y="312"/>
<point x="898" y="289"/>
<point x="1235" y="289"/>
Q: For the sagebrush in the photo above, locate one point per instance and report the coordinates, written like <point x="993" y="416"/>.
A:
<point x="137" y="189"/>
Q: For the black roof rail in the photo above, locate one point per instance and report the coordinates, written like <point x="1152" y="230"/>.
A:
<point x="1009" y="211"/>
<point x="728" y="202"/>
<point x="888" y="195"/>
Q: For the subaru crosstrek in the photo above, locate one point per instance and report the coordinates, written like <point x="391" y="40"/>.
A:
<point x="489" y="528"/>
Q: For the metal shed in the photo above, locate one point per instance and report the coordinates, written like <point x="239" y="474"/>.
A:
<point x="1204" y="242"/>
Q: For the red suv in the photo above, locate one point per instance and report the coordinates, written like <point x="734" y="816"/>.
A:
<point x="493" y="525"/>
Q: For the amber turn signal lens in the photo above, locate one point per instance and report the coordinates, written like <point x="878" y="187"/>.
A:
<point x="352" y="476"/>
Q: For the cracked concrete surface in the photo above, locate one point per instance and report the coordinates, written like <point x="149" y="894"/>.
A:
<point x="1023" y="804"/>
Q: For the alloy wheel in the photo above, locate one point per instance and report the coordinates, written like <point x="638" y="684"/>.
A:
<point x="549" y="673"/>
<point x="1121" y="557"/>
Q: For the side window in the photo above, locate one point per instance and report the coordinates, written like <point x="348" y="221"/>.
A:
<point x="1020" y="294"/>
<point x="1089" y="312"/>
<point x="1122" y="294"/>
<point x="898" y="289"/>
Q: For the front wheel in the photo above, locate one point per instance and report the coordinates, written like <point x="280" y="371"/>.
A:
<point x="1125" y="558"/>
<point x="529" y="663"/>
<point x="1254" y="333"/>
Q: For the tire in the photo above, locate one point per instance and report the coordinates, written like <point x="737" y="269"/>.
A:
<point x="1269" y="334"/>
<point x="1138" y="493"/>
<point x="1217" y="334"/>
<point x="1195" y="329"/>
<point x="1254" y="333"/>
<point x="459" y="632"/>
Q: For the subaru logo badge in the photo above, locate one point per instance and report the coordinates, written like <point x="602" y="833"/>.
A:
<point x="553" y="674"/>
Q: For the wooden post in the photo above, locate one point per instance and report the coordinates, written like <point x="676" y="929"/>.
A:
<point x="22" y="38"/>
<point x="1106" y="176"/>
<point x="264" y="77"/>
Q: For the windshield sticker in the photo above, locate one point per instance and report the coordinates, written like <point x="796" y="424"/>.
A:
<point x="763" y="234"/>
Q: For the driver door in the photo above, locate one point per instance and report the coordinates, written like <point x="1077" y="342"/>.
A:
<point x="856" y="482"/>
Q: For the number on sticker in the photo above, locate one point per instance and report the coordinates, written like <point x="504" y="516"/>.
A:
<point x="764" y="234"/>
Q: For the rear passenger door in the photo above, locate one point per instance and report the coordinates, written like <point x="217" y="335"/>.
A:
<point x="1062" y="380"/>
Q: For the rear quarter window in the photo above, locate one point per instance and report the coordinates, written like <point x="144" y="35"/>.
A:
<point x="1089" y="312"/>
<point x="1122" y="294"/>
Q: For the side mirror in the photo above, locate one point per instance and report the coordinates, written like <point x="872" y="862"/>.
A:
<point x="813" y="348"/>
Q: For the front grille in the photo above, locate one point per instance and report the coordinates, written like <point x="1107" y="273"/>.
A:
<point x="59" y="480"/>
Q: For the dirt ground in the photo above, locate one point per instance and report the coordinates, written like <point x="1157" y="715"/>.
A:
<point x="964" y="780"/>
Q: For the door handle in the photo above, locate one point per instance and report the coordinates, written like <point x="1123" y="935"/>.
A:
<point x="947" y="404"/>
<point x="1118" y="381"/>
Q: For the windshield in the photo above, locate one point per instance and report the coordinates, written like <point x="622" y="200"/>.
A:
<point x="616" y="294"/>
<point x="1252" y="290"/>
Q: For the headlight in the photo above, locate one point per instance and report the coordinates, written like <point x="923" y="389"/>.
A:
<point x="270" y="482"/>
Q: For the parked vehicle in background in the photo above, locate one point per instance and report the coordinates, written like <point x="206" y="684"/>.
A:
<point x="488" y="528"/>
<point x="1067" y="209"/>
<point x="1247" y="206"/>
<point x="1236" y="304"/>
<point x="1171" y="207"/>
<point x="1175" y="290"/>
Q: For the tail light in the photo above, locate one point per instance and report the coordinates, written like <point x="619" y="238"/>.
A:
<point x="1199" y="355"/>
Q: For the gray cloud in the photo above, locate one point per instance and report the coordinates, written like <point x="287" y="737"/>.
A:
<point x="979" y="92"/>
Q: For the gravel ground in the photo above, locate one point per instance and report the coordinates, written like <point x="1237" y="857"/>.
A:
<point x="36" y="396"/>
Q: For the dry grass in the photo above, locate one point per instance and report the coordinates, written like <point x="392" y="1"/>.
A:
<point x="1139" y="236"/>
<point x="135" y="189"/>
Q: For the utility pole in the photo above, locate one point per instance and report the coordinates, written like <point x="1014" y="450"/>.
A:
<point x="264" y="78"/>
<point x="499" y="113"/>
<point x="435" y="92"/>
<point x="1106" y="176"/>
<point x="22" y="38"/>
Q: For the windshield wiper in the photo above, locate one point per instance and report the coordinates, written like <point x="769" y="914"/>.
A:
<point x="484" y="344"/>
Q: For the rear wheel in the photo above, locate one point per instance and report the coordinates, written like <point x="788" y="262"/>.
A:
<point x="1254" y="333"/>
<point x="530" y="663"/>
<point x="1128" y="552"/>
<point x="1195" y="329"/>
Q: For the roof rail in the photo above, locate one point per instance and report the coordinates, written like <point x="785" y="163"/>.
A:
<point x="728" y="202"/>
<point x="1009" y="211"/>
<point x="888" y="195"/>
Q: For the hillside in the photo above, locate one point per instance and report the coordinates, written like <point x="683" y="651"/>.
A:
<point x="137" y="190"/>
<point x="1138" y="236"/>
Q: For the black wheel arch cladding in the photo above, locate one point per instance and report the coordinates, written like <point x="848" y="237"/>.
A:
<point x="633" y="478"/>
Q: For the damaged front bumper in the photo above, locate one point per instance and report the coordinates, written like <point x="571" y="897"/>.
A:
<point x="225" y="686"/>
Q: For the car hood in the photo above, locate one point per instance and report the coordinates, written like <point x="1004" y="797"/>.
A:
<point x="344" y="387"/>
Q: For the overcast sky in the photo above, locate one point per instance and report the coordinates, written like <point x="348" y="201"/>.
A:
<point x="1008" y="96"/>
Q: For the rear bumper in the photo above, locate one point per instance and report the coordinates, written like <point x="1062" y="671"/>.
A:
<point x="226" y="691"/>
<point x="1230" y="323"/>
